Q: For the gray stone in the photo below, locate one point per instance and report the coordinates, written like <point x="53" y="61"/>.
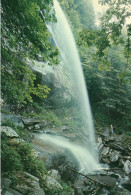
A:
<point x="30" y="185"/>
<point x="54" y="173"/>
<point x="100" y="144"/>
<point x="9" y="131"/>
<point x="37" y="126"/>
<point x="31" y="177"/>
<point x="14" y="118"/>
<point x="108" y="180"/>
<point x="114" y="156"/>
<point x="52" y="180"/>
<point x="105" y="151"/>
<point x="59" y="80"/>
<point x="30" y="122"/>
<point x="127" y="166"/>
<point x="119" y="191"/>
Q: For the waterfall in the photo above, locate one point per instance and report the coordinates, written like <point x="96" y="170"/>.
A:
<point x="70" y="62"/>
<point x="86" y="162"/>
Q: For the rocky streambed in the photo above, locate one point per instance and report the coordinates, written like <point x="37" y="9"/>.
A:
<point x="113" y="178"/>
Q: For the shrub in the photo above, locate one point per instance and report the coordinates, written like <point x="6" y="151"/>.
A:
<point x="10" y="159"/>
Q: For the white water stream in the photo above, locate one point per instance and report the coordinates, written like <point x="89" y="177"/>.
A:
<point x="70" y="61"/>
<point x="86" y="162"/>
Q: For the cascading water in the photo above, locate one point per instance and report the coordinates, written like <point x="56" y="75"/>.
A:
<point x="69" y="56"/>
<point x="70" y="62"/>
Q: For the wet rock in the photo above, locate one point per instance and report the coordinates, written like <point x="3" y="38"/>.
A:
<point x="80" y="183"/>
<point x="119" y="138"/>
<point x="119" y="191"/>
<point x="107" y="180"/>
<point x="54" y="173"/>
<point x="127" y="166"/>
<point x="117" y="147"/>
<point x="103" y="191"/>
<point x="105" y="151"/>
<point x="114" y="156"/>
<point x="9" y="131"/>
<point x="52" y="180"/>
<point x="100" y="144"/>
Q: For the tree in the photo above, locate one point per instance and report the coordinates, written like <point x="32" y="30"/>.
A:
<point x="113" y="23"/>
<point x="25" y="36"/>
<point x="110" y="97"/>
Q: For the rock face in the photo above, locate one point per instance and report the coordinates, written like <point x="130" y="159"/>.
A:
<point x="9" y="131"/>
<point x="34" y="124"/>
<point x="52" y="180"/>
<point x="29" y="185"/>
<point x="30" y="122"/>
<point x="58" y="80"/>
<point x="6" y="190"/>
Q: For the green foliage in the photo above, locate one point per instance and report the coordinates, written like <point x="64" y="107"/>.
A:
<point x="19" y="158"/>
<point x="38" y="111"/>
<point x="79" y="13"/>
<point x="67" y="189"/>
<point x="110" y="32"/>
<point x="109" y="95"/>
<point x="30" y="163"/>
<point x="18" y="129"/>
<point x="10" y="159"/>
<point x="25" y="36"/>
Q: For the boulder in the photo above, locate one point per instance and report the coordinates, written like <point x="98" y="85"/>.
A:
<point x="30" y="122"/>
<point x="106" y="179"/>
<point x="12" y="117"/>
<point x="105" y="151"/>
<point x="52" y="180"/>
<point x="114" y="156"/>
<point x="100" y="144"/>
<point x="127" y="166"/>
<point x="29" y="185"/>
<point x="9" y="131"/>
<point x="54" y="173"/>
